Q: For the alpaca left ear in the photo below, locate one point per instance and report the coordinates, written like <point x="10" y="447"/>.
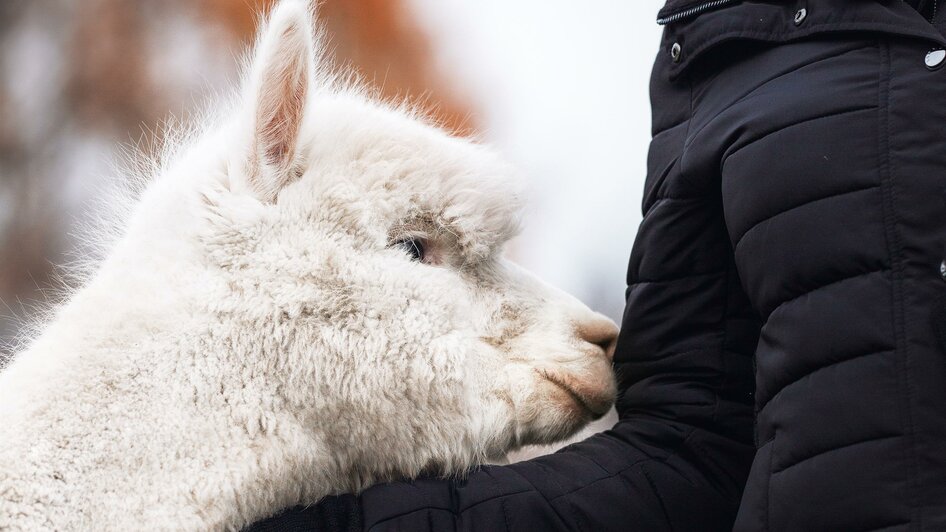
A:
<point x="280" y="83"/>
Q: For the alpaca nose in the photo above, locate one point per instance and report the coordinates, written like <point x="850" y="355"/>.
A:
<point x="601" y="332"/>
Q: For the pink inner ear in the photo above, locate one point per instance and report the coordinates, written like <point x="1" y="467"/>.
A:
<point x="282" y="101"/>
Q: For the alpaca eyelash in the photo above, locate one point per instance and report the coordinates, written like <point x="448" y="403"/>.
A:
<point x="415" y="247"/>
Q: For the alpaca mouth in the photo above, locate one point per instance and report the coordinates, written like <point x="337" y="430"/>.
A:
<point x="596" y="404"/>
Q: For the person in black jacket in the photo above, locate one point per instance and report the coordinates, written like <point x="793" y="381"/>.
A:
<point x="782" y="358"/>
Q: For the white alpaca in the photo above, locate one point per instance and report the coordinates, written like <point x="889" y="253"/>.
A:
<point x="309" y="299"/>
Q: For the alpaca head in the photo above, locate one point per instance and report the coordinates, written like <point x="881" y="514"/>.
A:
<point x="359" y="250"/>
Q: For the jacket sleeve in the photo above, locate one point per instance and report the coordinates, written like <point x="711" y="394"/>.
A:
<point x="678" y="457"/>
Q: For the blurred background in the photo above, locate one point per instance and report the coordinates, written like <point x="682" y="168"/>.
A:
<point x="559" y="87"/>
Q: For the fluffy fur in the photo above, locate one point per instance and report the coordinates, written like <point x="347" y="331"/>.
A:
<point x="259" y="336"/>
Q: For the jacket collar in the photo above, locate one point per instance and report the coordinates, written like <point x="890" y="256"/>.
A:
<point x="696" y="26"/>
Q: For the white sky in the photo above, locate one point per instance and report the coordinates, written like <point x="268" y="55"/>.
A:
<point x="562" y="91"/>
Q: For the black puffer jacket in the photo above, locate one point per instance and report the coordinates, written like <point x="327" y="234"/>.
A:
<point x="795" y="209"/>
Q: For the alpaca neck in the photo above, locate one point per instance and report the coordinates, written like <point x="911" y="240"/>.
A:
<point x="133" y="404"/>
<point x="139" y="432"/>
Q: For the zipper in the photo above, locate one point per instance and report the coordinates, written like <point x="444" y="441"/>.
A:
<point x="692" y="11"/>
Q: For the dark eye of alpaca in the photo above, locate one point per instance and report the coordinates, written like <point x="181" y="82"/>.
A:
<point x="413" y="247"/>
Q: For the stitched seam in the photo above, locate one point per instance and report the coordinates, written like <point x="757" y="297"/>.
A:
<point x="679" y="198"/>
<point x="768" y="484"/>
<point x="657" y="184"/>
<point x="539" y="492"/>
<point x="883" y="527"/>
<point x="708" y="458"/>
<point x="630" y="488"/>
<point x="455" y="513"/>
<point x="764" y="83"/>
<point x="894" y="247"/>
<point x="668" y="128"/>
<point x="826" y="285"/>
<point x="503" y="507"/>
<point x="682" y="353"/>
<point x="838" y="448"/>
<point x="812" y="371"/>
<point x="678" y="161"/>
<point x="793" y="207"/>
<point x="734" y="150"/>
<point x="781" y="305"/>
<point x="704" y="404"/>
<point x="579" y="524"/>
<point x="632" y="465"/>
<point x="675" y="279"/>
<point x="595" y="462"/>
<point x="721" y="352"/>
<point x="550" y="478"/>
<point x="660" y="499"/>
<point x="686" y="136"/>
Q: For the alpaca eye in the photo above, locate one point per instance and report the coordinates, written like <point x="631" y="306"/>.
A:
<point x="413" y="247"/>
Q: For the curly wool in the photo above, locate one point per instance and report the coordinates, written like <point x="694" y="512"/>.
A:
<point x="254" y="340"/>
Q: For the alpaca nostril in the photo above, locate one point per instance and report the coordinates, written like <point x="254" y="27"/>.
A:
<point x="601" y="332"/>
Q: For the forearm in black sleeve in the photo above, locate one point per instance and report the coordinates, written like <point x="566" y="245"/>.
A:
<point x="639" y="476"/>
<point x="627" y="478"/>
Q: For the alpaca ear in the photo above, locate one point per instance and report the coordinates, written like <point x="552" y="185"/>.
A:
<point x="280" y="82"/>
